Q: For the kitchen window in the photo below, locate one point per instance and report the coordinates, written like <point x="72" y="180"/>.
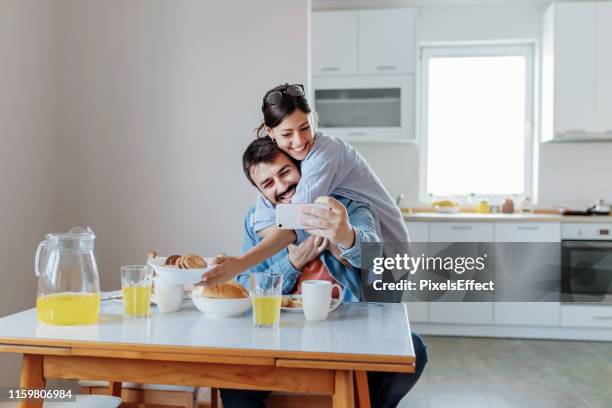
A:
<point x="476" y="125"/>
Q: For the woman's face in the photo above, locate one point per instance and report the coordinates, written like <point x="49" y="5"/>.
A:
<point x="293" y="135"/>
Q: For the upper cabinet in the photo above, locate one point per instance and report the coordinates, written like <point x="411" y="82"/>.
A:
<point x="577" y="72"/>
<point x="386" y="41"/>
<point x="334" y="39"/>
<point x="363" y="42"/>
<point x="603" y="67"/>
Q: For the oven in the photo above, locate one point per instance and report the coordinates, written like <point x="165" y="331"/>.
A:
<point x="586" y="263"/>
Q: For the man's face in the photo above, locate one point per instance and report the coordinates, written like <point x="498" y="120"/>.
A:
<point x="277" y="179"/>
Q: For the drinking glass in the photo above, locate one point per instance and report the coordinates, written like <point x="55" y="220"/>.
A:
<point x="136" y="285"/>
<point x="266" y="292"/>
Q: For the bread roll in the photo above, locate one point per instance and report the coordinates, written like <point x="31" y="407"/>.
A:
<point x="227" y="290"/>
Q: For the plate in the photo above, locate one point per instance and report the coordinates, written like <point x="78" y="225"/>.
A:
<point x="301" y="309"/>
<point x="447" y="210"/>
<point x="176" y="275"/>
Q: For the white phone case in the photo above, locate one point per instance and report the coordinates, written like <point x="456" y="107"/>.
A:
<point x="288" y="215"/>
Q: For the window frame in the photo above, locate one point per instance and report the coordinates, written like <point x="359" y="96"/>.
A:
<point x="525" y="48"/>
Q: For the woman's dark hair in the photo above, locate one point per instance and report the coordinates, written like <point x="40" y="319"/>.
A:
<point x="261" y="150"/>
<point x="274" y="114"/>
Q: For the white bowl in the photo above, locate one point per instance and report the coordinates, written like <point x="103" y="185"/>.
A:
<point x="176" y="275"/>
<point x="221" y="307"/>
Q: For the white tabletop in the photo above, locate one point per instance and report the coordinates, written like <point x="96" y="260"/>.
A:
<point x="354" y="328"/>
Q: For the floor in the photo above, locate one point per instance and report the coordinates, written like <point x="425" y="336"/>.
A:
<point x="506" y="373"/>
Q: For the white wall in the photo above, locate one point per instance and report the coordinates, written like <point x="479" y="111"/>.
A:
<point x="27" y="153"/>
<point x="158" y="101"/>
<point x="569" y="175"/>
<point x="134" y="122"/>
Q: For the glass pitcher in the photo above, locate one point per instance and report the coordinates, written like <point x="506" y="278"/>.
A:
<point x="68" y="281"/>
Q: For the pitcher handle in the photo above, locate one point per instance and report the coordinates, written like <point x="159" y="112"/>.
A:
<point x="37" y="258"/>
<point x="340" y="297"/>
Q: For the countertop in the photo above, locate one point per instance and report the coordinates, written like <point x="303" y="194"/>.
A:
<point x="529" y="217"/>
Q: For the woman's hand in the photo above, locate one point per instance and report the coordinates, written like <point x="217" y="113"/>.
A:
<point x="331" y="222"/>
<point x="302" y="254"/>
<point x="226" y="267"/>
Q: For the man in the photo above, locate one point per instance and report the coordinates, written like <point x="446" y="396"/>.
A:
<point x="332" y="252"/>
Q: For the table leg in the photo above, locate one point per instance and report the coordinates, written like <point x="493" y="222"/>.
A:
<point x="344" y="392"/>
<point x="363" y="390"/>
<point x="31" y="378"/>
<point x="114" y="388"/>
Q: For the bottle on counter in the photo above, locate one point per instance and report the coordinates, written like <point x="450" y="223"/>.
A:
<point x="483" y="207"/>
<point x="508" y="206"/>
<point x="526" y="205"/>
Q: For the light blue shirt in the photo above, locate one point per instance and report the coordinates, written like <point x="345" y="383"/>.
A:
<point x="335" y="167"/>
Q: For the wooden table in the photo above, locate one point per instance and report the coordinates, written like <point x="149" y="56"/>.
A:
<point x="188" y="348"/>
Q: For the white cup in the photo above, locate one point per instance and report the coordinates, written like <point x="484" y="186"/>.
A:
<point x="167" y="296"/>
<point x="316" y="298"/>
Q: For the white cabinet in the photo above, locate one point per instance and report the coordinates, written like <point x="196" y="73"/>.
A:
<point x="418" y="311"/>
<point x="456" y="312"/>
<point x="418" y="231"/>
<point x="363" y="42"/>
<point x="577" y="71"/>
<point x="604" y="67"/>
<point x="527" y="232"/>
<point x="542" y="255"/>
<point x="573" y="315"/>
<point x="386" y="41"/>
<point x="461" y="232"/>
<point x="334" y="39"/>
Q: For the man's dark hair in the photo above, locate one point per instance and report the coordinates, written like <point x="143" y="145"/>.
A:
<point x="261" y="150"/>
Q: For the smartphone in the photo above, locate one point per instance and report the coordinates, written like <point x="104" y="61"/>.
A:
<point x="288" y="215"/>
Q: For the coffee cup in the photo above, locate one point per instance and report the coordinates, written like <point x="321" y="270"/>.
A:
<point x="167" y="296"/>
<point x="316" y="298"/>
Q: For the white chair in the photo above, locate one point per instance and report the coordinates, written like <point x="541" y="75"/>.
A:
<point x="82" y="401"/>
<point x="155" y="394"/>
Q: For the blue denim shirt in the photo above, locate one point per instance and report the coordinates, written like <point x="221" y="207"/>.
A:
<point x="349" y="277"/>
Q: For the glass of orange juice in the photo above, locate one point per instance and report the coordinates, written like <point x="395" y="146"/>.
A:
<point x="136" y="285"/>
<point x="266" y="292"/>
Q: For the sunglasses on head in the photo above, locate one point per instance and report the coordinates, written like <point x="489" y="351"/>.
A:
<point x="275" y="97"/>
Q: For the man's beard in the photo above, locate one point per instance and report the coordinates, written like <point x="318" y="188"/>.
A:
<point x="290" y="189"/>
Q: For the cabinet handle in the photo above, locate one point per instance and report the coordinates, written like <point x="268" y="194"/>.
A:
<point x="461" y="227"/>
<point x="386" y="68"/>
<point x="573" y="131"/>
<point x="356" y="134"/>
<point x="330" y="69"/>
<point x="602" y="317"/>
<point x="526" y="228"/>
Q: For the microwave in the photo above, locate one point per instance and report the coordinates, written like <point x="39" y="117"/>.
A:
<point x="366" y="109"/>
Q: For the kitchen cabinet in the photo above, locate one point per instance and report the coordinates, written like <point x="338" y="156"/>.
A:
<point x="457" y="312"/>
<point x="386" y="41"/>
<point x="574" y="315"/>
<point x="542" y="255"/>
<point x="577" y="71"/>
<point x="418" y="310"/>
<point x="334" y="43"/>
<point x="363" y="42"/>
<point x="604" y="67"/>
